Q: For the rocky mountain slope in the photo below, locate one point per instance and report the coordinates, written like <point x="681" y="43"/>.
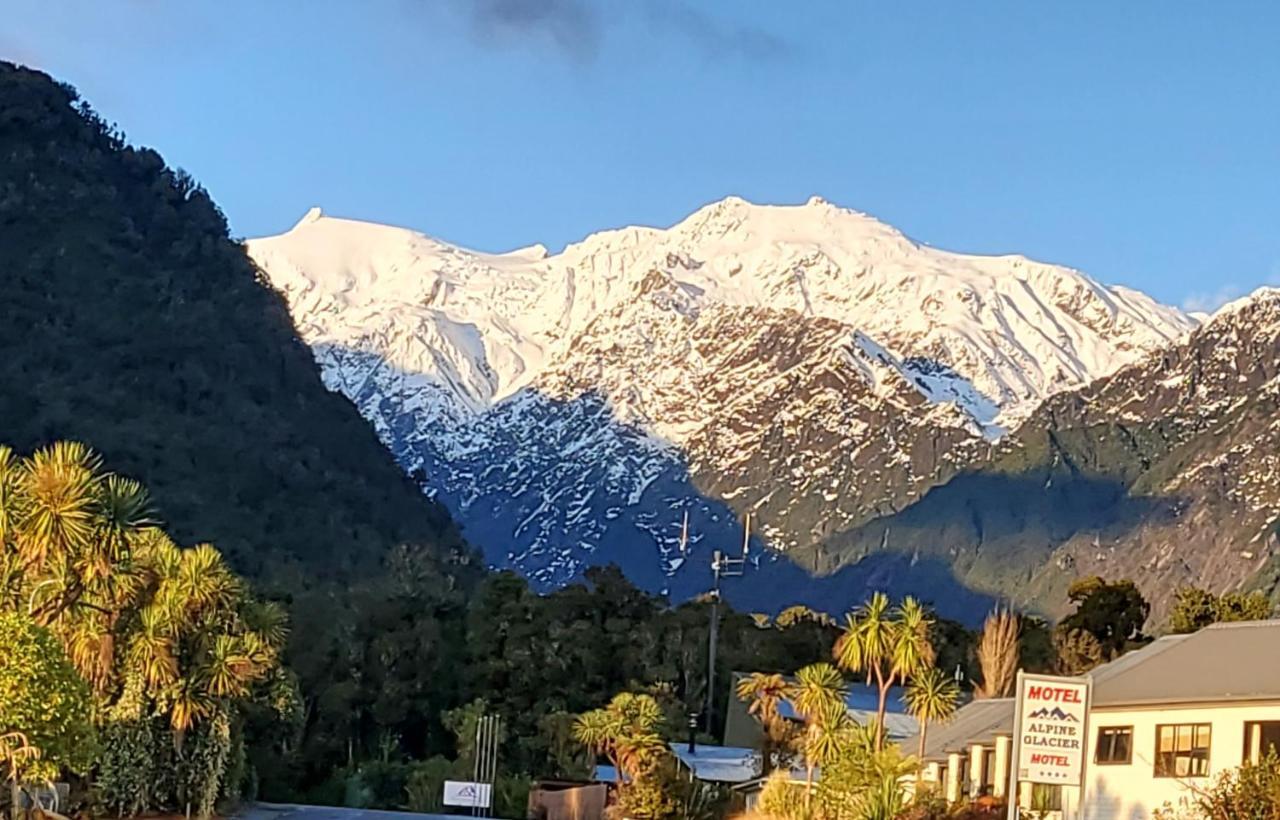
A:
<point x="1167" y="472"/>
<point x="807" y="364"/>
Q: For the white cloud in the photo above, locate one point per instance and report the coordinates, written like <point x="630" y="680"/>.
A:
<point x="1209" y="301"/>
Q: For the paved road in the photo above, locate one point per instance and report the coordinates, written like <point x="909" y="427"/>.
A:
<point x="288" y="811"/>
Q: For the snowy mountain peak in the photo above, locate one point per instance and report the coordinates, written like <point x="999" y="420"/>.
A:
<point x="817" y="221"/>
<point x="806" y="360"/>
<point x="535" y="251"/>
<point x="1017" y="330"/>
<point x="1260" y="298"/>
<point x="310" y="216"/>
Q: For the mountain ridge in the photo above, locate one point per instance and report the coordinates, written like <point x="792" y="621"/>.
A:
<point x="1163" y="472"/>
<point x="715" y="244"/>
<point x="808" y="364"/>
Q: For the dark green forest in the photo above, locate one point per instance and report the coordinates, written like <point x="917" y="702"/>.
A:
<point x="413" y="683"/>
<point x="133" y="322"/>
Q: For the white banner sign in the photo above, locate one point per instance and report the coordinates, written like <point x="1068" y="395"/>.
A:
<point x="1051" y="731"/>
<point x="466" y="793"/>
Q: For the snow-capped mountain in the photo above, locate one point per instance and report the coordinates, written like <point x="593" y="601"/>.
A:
<point x="809" y="364"/>
<point x="1166" y="472"/>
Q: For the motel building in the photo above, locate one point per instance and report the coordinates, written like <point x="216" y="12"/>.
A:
<point x="1162" y="721"/>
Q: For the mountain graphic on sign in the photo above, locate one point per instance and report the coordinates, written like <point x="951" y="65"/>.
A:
<point x="1052" y="714"/>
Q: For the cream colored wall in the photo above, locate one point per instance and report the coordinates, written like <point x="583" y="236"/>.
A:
<point x="1132" y="792"/>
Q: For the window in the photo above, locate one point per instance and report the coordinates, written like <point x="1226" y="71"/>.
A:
<point x="1115" y="745"/>
<point x="1046" y="797"/>
<point x="1182" y="751"/>
<point x="1261" y="738"/>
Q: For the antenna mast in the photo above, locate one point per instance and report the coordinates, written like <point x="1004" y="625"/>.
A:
<point x="722" y="566"/>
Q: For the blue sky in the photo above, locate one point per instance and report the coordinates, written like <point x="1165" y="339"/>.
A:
<point x="1138" y="141"/>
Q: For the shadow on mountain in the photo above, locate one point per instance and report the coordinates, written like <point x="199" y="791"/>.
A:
<point x="996" y="530"/>
<point x="550" y="486"/>
<point x="780" y="582"/>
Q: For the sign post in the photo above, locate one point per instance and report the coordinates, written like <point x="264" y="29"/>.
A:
<point x="477" y="793"/>
<point x="1050" y="733"/>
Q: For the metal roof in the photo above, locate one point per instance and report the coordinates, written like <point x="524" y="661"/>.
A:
<point x="719" y="764"/>
<point x="861" y="706"/>
<point x="979" y="721"/>
<point x="1223" y="662"/>
<point x="861" y="698"/>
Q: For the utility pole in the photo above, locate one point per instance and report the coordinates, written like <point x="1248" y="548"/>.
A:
<point x="722" y="566"/>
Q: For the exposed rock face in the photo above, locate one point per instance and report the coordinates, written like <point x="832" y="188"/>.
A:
<point x="1167" y="472"/>
<point x="807" y="364"/>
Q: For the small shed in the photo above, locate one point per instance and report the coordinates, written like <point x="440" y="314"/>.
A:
<point x="567" y="800"/>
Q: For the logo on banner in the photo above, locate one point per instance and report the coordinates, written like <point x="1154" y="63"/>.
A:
<point x="467" y="793"/>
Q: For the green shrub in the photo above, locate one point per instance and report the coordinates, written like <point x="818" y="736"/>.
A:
<point x="424" y="789"/>
<point x="1246" y="793"/>
<point x="511" y="796"/>
<point x="43" y="698"/>
<point x="377" y="785"/>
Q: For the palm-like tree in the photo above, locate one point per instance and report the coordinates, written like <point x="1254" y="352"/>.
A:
<point x="866" y="645"/>
<point x="912" y="650"/>
<point x="825" y="732"/>
<point x="170" y="631"/>
<point x="626" y="732"/>
<point x="931" y="697"/>
<point x="763" y="693"/>
<point x="196" y="648"/>
<point x="816" y="686"/>
<point x="860" y="782"/>
<point x="57" y="516"/>
<point x="882" y="796"/>
<point x="640" y="741"/>
<point x="818" y="697"/>
<point x="596" y="730"/>
<point x="886" y="644"/>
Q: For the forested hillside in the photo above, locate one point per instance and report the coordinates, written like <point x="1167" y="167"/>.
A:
<point x="133" y="322"/>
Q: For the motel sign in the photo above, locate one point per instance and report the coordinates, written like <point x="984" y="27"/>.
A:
<point x="1050" y="731"/>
